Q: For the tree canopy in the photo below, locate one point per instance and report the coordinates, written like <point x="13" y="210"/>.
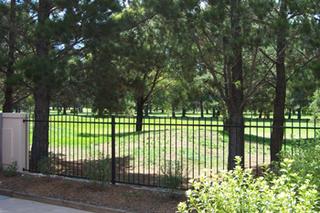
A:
<point x="121" y="56"/>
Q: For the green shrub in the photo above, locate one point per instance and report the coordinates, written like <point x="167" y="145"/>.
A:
<point x="10" y="170"/>
<point x="45" y="166"/>
<point x="240" y="191"/>
<point x="306" y="160"/>
<point x="315" y="104"/>
<point x="172" y="174"/>
<point x="98" y="170"/>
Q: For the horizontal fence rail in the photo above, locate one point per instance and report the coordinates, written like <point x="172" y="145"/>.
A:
<point x="167" y="152"/>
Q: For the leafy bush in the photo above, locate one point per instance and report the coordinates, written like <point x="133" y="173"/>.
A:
<point x="98" y="170"/>
<point x="306" y="160"/>
<point x="315" y="104"/>
<point x="172" y="174"/>
<point x="10" y="170"/>
<point x="45" y="166"/>
<point x="240" y="191"/>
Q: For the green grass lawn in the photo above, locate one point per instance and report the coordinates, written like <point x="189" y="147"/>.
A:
<point x="199" y="145"/>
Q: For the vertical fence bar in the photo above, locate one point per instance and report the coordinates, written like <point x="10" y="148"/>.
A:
<point x="159" y="160"/>
<point x="211" y="138"/>
<point x="149" y="151"/>
<point x="187" y="158"/>
<point x="122" y="136"/>
<point x="170" y="149"/>
<point x="63" y="149"/>
<point x="139" y="153"/>
<point x="59" y="142"/>
<point x="205" y="144"/>
<point x="165" y="149"/>
<point x="257" y="144"/>
<point x="314" y="130"/>
<point x="199" y="142"/>
<point x="175" y="149"/>
<point x="75" y="171"/>
<point x="143" y="155"/>
<point x="53" y="152"/>
<point x="263" y="141"/>
<point x="132" y="143"/>
<point x="81" y="145"/>
<point x="217" y="143"/>
<point x="299" y="134"/>
<point x="193" y="148"/>
<point x="181" y="151"/>
<point x="307" y="133"/>
<point x="250" y="141"/>
<point x="223" y="147"/>
<point x="129" y="149"/>
<point x="113" y="150"/>
<point x="154" y="149"/>
<point x="120" y="158"/>
<point x="87" y="142"/>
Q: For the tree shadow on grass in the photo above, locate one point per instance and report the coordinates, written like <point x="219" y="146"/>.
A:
<point x="255" y="139"/>
<point x="121" y="134"/>
<point x="99" y="169"/>
<point x="267" y="141"/>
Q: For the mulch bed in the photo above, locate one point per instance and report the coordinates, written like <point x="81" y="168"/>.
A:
<point x="128" y="198"/>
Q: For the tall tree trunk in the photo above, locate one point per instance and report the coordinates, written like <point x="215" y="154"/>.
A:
<point x="280" y="96"/>
<point x="235" y="105"/>
<point x="100" y="113"/>
<point x="8" y="90"/>
<point x="299" y="113"/>
<point x="64" y="110"/>
<point x="236" y="137"/>
<point x="75" y="110"/>
<point x="40" y="144"/>
<point x="214" y="112"/>
<point x="201" y="108"/>
<point x="39" y="149"/>
<point x="173" y="112"/>
<point x="289" y="114"/>
<point x="184" y="112"/>
<point x="139" y="109"/>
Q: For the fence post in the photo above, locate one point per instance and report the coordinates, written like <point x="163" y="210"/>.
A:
<point x="113" y="150"/>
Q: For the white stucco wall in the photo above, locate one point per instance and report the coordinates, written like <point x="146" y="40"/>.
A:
<point x="14" y="141"/>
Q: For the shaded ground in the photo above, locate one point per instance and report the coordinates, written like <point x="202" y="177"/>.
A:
<point x="114" y="196"/>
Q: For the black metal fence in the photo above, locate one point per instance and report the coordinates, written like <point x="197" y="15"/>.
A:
<point x="166" y="153"/>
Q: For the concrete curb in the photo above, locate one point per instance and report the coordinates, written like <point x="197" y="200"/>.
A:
<point x="60" y="202"/>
